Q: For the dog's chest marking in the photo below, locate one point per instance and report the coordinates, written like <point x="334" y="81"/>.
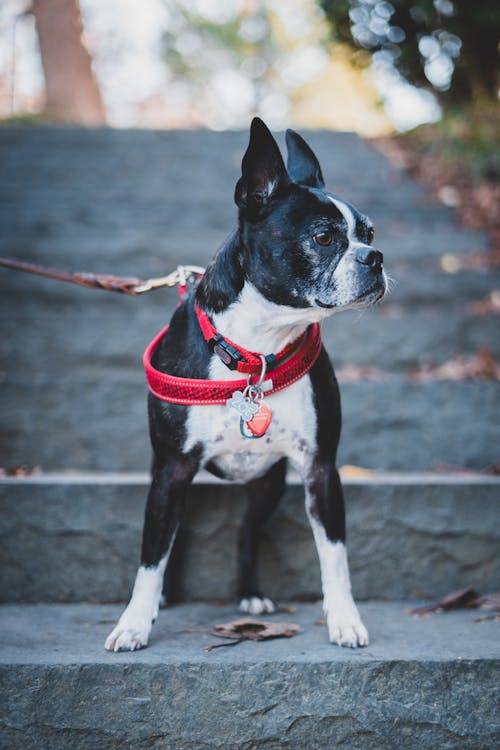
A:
<point x="292" y="433"/>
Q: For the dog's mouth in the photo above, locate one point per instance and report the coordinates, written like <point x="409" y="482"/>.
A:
<point x="369" y="296"/>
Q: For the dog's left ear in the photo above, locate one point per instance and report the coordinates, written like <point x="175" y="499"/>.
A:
<point x="263" y="171"/>
<point x="303" y="166"/>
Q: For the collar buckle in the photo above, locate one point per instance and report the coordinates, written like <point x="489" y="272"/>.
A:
<point x="227" y="353"/>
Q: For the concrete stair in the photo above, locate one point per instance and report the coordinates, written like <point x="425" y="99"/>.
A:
<point x="73" y="404"/>
<point x="422" y="684"/>
<point x="76" y="537"/>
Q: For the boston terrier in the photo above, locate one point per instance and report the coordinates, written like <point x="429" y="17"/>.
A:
<point x="299" y="254"/>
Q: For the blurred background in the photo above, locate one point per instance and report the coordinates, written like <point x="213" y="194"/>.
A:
<point x="213" y="63"/>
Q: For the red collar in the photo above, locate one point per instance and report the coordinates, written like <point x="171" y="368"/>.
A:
<point x="285" y="368"/>
<point x="234" y="356"/>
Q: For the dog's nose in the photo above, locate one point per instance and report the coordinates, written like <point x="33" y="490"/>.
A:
<point x="370" y="257"/>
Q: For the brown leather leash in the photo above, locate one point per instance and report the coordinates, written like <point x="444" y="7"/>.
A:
<point x="109" y="282"/>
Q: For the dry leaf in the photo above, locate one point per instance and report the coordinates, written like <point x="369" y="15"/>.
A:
<point x="356" y="373"/>
<point x="490" y="305"/>
<point x="491" y="469"/>
<point x="490" y="601"/>
<point x="18" y="471"/>
<point x="482" y="366"/>
<point x="462" y="599"/>
<point x="248" y="629"/>
<point x="350" y="471"/>
<point x="488" y="618"/>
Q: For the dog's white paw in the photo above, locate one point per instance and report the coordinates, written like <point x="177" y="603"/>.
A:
<point x="256" y="605"/>
<point x="345" y="627"/>
<point x="350" y="634"/>
<point x="127" y="638"/>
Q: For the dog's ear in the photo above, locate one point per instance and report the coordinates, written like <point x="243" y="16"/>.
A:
<point x="263" y="171"/>
<point x="303" y="167"/>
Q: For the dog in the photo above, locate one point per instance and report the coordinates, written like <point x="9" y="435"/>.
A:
<point x="299" y="254"/>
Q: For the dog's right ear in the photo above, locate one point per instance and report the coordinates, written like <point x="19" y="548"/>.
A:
<point x="263" y="171"/>
<point x="303" y="166"/>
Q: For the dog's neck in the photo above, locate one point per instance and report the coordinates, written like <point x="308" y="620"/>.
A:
<point x="240" y="312"/>
<point x="255" y="323"/>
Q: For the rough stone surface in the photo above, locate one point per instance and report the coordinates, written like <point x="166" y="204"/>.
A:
<point x="139" y="203"/>
<point x="98" y="421"/>
<point x="78" y="539"/>
<point x="422" y="684"/>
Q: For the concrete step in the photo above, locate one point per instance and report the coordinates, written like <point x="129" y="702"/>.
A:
<point x="76" y="537"/>
<point x="94" y="418"/>
<point x="422" y="684"/>
<point x="48" y="334"/>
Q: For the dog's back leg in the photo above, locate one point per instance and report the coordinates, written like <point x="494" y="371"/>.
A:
<point x="164" y="509"/>
<point x="264" y="495"/>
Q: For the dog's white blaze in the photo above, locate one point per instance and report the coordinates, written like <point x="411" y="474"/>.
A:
<point x="348" y="216"/>
<point x="344" y="622"/>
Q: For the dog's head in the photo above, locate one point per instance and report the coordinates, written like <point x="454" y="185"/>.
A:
<point x="304" y="246"/>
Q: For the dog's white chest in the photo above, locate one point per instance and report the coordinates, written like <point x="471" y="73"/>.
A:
<point x="291" y="433"/>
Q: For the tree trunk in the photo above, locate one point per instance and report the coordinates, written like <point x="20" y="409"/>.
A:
<point x="72" y="94"/>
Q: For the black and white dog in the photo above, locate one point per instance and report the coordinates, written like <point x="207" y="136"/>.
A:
<point x="298" y="255"/>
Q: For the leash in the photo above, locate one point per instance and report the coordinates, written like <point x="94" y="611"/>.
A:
<point x="123" y="285"/>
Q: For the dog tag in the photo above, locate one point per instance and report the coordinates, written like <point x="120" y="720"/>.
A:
<point x="261" y="420"/>
<point x="243" y="404"/>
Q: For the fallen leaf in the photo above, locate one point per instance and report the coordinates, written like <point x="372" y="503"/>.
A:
<point x="488" y="618"/>
<point x="348" y="470"/>
<point x="482" y="366"/>
<point x="491" y="469"/>
<point x="489" y="305"/>
<point x="490" y="601"/>
<point x="461" y="599"/>
<point x="19" y="471"/>
<point x="356" y="373"/>
<point x="467" y="598"/>
<point x="248" y="629"/>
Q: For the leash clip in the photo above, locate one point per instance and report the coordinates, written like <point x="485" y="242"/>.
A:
<point x="178" y="277"/>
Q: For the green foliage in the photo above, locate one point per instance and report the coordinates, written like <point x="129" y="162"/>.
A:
<point x="194" y="45"/>
<point x="448" y="46"/>
<point x="471" y="145"/>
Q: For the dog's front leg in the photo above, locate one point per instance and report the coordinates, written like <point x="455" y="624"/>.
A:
<point x="325" y="509"/>
<point x="164" y="509"/>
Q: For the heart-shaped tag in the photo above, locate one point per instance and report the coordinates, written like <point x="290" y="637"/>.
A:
<point x="260" y="420"/>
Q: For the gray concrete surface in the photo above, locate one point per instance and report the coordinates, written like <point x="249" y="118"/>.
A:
<point x="422" y="684"/>
<point x="138" y="203"/>
<point x="77" y="538"/>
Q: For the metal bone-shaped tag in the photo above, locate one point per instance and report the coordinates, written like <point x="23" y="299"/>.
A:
<point x="255" y="415"/>
<point x="244" y="405"/>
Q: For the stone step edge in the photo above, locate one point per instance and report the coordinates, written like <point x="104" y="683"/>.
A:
<point x="62" y="690"/>
<point x="142" y="478"/>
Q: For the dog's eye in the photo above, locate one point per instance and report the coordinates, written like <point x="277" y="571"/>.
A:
<point x="371" y="235"/>
<point x="324" y="238"/>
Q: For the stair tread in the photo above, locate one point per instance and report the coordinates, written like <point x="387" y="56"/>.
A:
<point x="69" y="634"/>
